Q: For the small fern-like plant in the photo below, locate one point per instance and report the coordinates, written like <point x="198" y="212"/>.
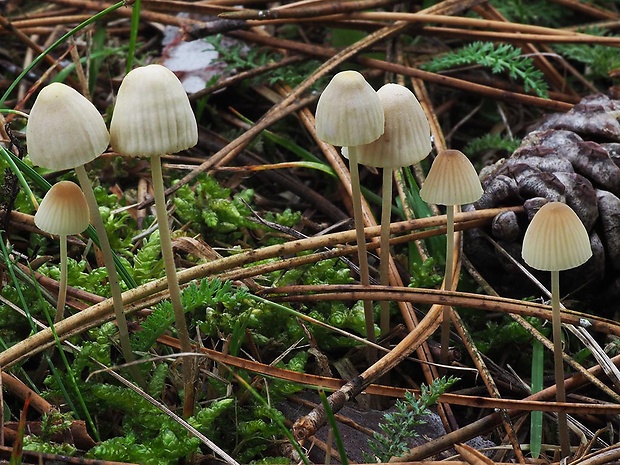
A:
<point x="400" y="425"/>
<point x="501" y="58"/>
<point x="598" y="60"/>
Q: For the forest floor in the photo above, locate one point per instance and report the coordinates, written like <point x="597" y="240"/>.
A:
<point x="281" y="367"/>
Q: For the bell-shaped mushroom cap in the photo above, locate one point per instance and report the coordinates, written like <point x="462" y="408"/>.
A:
<point x="556" y="239"/>
<point x="152" y="114"/>
<point x="452" y="180"/>
<point x="63" y="210"/>
<point x="407" y="136"/>
<point x="64" y="129"/>
<point x="349" y="112"/>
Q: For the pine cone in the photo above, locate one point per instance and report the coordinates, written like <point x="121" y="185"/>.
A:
<point x="572" y="157"/>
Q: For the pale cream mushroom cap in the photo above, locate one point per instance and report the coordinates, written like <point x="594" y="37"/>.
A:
<point x="64" y="129"/>
<point x="63" y="210"/>
<point x="407" y="136"/>
<point x="152" y="114"/>
<point x="452" y="180"/>
<point x="556" y="239"/>
<point x="349" y="112"/>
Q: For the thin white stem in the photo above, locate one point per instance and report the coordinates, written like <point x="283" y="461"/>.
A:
<point x="62" y="289"/>
<point x="173" y="283"/>
<point x="166" y="251"/>
<point x="445" y="323"/>
<point x="108" y="260"/>
<point x="384" y="264"/>
<point x="361" y="244"/>
<point x="559" y="362"/>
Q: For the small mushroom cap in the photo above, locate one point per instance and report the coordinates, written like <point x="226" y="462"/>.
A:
<point x="63" y="210"/>
<point x="407" y="136"/>
<point x="452" y="180"/>
<point x="349" y="112"/>
<point x="64" y="129"/>
<point x="152" y="114"/>
<point x="556" y="239"/>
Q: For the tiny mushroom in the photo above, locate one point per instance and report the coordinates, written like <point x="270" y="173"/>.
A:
<point x="452" y="180"/>
<point x="349" y="114"/>
<point x="405" y="141"/>
<point x="153" y="117"/>
<point x="63" y="212"/>
<point x="65" y="130"/>
<point x="557" y="240"/>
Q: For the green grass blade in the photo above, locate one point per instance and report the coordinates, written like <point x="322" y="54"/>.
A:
<point x="436" y="245"/>
<point x="536" y="418"/>
<point x="61" y="40"/>
<point x="286" y="143"/>
<point x="33" y="327"/>
<point x="10" y="159"/>
<point x="344" y="460"/>
<point x="90" y="232"/>
<point x="133" y="34"/>
<point x="96" y="55"/>
<point x="69" y="372"/>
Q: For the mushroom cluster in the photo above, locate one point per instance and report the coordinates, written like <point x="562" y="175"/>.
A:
<point x="573" y="158"/>
<point x="152" y="117"/>
<point x="66" y="131"/>
<point x="349" y="114"/>
<point x="386" y="129"/>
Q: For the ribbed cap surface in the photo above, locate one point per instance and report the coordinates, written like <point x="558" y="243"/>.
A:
<point x="63" y="210"/>
<point x="64" y="129"/>
<point x="452" y="180"/>
<point x="407" y="136"/>
<point x="349" y="112"/>
<point x="152" y="114"/>
<point x="556" y="239"/>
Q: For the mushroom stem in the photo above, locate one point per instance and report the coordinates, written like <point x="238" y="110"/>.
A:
<point x="447" y="283"/>
<point x="108" y="260"/>
<point x="361" y="248"/>
<point x="166" y="250"/>
<point x="384" y="264"/>
<point x="559" y="361"/>
<point x="173" y="281"/>
<point x="62" y="289"/>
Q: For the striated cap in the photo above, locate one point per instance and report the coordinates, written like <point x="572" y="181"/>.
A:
<point x="64" y="129"/>
<point x="556" y="239"/>
<point x="349" y="112"/>
<point x="152" y="114"/>
<point x="407" y="136"/>
<point x="63" y="210"/>
<point x="452" y="180"/>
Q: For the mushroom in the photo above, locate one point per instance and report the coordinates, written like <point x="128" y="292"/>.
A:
<point x="349" y="114"/>
<point x="556" y="240"/>
<point x="63" y="212"/>
<point x="405" y="141"/>
<point x="452" y="180"/>
<point x="153" y="117"/>
<point x="66" y="131"/>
